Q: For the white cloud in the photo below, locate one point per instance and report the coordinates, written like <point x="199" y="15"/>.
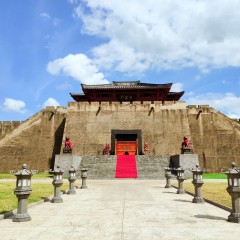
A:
<point x="227" y="103"/>
<point x="177" y="87"/>
<point x="78" y="66"/>
<point x="45" y="15"/>
<point x="163" y="35"/>
<point x="54" y="21"/>
<point x="51" y="102"/>
<point x="12" y="105"/>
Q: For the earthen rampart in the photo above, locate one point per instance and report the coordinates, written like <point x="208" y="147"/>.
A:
<point x="216" y="137"/>
<point x="6" y="127"/>
<point x="34" y="142"/>
<point x="213" y="136"/>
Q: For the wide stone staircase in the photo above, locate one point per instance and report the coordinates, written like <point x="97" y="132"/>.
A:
<point x="100" y="167"/>
<point x="152" y="167"/>
<point x="103" y="167"/>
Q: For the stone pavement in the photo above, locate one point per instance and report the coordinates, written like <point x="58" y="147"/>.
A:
<point x="123" y="209"/>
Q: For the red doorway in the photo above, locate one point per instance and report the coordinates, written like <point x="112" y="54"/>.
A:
<point x="126" y="147"/>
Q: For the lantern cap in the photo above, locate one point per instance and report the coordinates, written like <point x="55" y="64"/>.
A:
<point x="180" y="168"/>
<point x="168" y="168"/>
<point x="72" y="169"/>
<point x="234" y="169"/>
<point x="57" y="170"/>
<point x="23" y="171"/>
<point x="197" y="169"/>
<point x="84" y="169"/>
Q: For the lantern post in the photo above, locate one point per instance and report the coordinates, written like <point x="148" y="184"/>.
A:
<point x="198" y="182"/>
<point x="84" y="177"/>
<point x="23" y="191"/>
<point x="57" y="183"/>
<point x="72" y="179"/>
<point x="180" y="178"/>
<point x="233" y="176"/>
<point x="168" y="176"/>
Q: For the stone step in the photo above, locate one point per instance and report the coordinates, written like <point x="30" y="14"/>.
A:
<point x="103" y="167"/>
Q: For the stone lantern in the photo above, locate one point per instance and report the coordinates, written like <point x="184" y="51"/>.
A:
<point x="198" y="182"/>
<point x="23" y="191"/>
<point x="180" y="178"/>
<point x="57" y="183"/>
<point x="84" y="177"/>
<point x="233" y="189"/>
<point x="168" y="176"/>
<point x="72" y="179"/>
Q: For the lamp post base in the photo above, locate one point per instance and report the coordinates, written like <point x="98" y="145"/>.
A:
<point x="71" y="192"/>
<point x="57" y="200"/>
<point x="234" y="217"/>
<point x="198" y="200"/>
<point x="22" y="217"/>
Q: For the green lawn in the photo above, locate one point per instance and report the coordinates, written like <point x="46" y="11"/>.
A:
<point x="214" y="176"/>
<point x="8" y="201"/>
<point x="36" y="176"/>
<point x="213" y="191"/>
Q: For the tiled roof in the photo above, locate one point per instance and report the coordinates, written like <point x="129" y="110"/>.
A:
<point x="77" y="94"/>
<point x="125" y="85"/>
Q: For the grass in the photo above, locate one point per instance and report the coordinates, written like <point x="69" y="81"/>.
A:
<point x="35" y="176"/>
<point x="214" y="176"/>
<point x="212" y="191"/>
<point x="8" y="201"/>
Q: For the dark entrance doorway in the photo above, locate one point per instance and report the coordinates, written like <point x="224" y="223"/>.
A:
<point x="126" y="142"/>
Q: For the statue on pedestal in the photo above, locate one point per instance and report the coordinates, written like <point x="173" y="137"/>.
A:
<point x="146" y="148"/>
<point x="107" y="149"/>
<point x="185" y="146"/>
<point x="68" y="146"/>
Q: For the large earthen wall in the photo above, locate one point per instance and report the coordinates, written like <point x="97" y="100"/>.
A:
<point x="163" y="126"/>
<point x="6" y="127"/>
<point x="34" y="142"/>
<point x="213" y="136"/>
<point x="216" y="138"/>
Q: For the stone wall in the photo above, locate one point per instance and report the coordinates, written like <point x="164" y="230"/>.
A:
<point x="163" y="127"/>
<point x="6" y="127"/>
<point x="215" y="137"/>
<point x="34" y="142"/>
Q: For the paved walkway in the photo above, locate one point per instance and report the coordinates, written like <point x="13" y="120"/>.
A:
<point x="123" y="209"/>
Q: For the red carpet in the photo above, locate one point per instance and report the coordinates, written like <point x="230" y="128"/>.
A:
<point x="126" y="167"/>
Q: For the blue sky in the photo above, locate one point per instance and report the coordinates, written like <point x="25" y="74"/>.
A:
<point x="49" y="47"/>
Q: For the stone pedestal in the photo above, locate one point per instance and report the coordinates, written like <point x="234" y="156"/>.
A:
<point x="168" y="175"/>
<point x="67" y="150"/>
<point x="186" y="161"/>
<point x="185" y="150"/>
<point x="22" y="214"/>
<point x="65" y="161"/>
<point x="180" y="185"/>
<point x="198" y="192"/>
<point x="84" y="178"/>
<point x="57" y="192"/>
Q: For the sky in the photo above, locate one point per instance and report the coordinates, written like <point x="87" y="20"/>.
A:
<point x="49" y="47"/>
